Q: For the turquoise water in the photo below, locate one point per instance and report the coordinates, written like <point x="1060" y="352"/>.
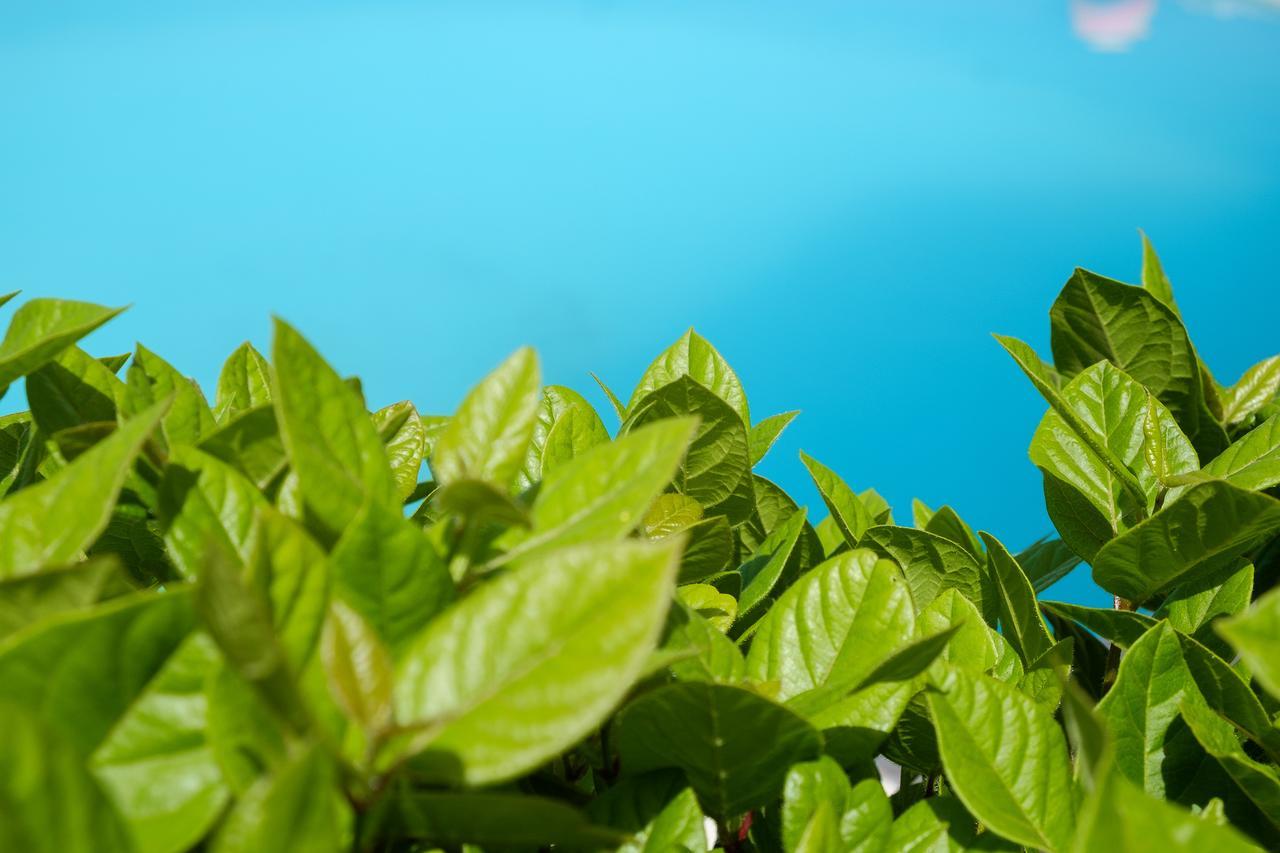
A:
<point x="845" y="197"/>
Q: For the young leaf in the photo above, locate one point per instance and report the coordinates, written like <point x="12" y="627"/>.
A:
<point x="734" y="746"/>
<point x="1212" y="525"/>
<point x="711" y="656"/>
<point x="604" y="493"/>
<point x="1005" y="758"/>
<point x="855" y="726"/>
<point x="250" y="442"/>
<point x="1191" y="606"/>
<point x="587" y="430"/>
<point x="52" y="522"/>
<point x="51" y="803"/>
<point x="1257" y="387"/>
<point x="833" y="626"/>
<point x="1251" y="463"/>
<point x="41" y="329"/>
<point x="501" y="687"/>
<point x="334" y="448"/>
<point x="921" y="514"/>
<point x="1154" y="279"/>
<point x="843" y="503"/>
<point x="576" y="431"/>
<point x="764" y="434"/>
<point x="358" y="668"/>
<point x="151" y="379"/>
<point x="243" y="384"/>
<point x="862" y="812"/>
<point x="488" y="436"/>
<point x="760" y="573"/>
<point x="972" y="647"/>
<point x="405" y="438"/>
<point x="694" y="357"/>
<point x="1068" y="419"/>
<point x="618" y="409"/>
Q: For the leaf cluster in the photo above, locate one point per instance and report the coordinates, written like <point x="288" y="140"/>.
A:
<point x="282" y="621"/>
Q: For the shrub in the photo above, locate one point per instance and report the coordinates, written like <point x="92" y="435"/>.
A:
<point x="252" y="626"/>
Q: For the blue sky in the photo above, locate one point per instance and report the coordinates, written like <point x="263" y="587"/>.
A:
<point x="846" y="198"/>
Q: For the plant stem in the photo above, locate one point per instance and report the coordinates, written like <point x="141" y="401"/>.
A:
<point x="1114" y="652"/>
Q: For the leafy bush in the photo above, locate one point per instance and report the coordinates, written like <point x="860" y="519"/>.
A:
<point x="252" y="626"/>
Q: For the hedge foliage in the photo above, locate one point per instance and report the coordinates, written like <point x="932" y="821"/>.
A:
<point x="262" y="625"/>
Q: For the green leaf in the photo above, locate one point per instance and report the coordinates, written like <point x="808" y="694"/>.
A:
<point x="1099" y="319"/>
<point x="1068" y="419"/>
<point x="203" y="500"/>
<point x="1005" y="758"/>
<point x="1154" y="280"/>
<point x="693" y="357"/>
<point x="386" y="568"/>
<point x="706" y="653"/>
<point x="842" y="502"/>
<point x="84" y="668"/>
<point x="1227" y="693"/>
<point x="670" y="513"/>
<point x="73" y="389"/>
<point x="29" y="599"/>
<point x="53" y="521"/>
<point x="855" y="726"/>
<point x="717" y="467"/>
<point x="51" y="803"/>
<point x="932" y="564"/>
<point x="405" y="437"/>
<point x="1255" y="634"/>
<point x="1046" y="562"/>
<point x="949" y="525"/>
<point x="500" y="820"/>
<point x="1191" y="606"/>
<point x="1122" y="627"/>
<point x="585" y="430"/>
<point x="243" y="384"/>
<point x="575" y="432"/>
<point x="862" y="812"/>
<point x="1045" y="676"/>
<point x="762" y="571"/>
<point x="289" y="566"/>
<point x="618" y="409"/>
<point x="239" y="620"/>
<point x="734" y="746"/>
<point x="1260" y="782"/>
<point x="152" y="379"/>
<point x="300" y="802"/>
<point x="501" y="687"/>
<point x="708" y="551"/>
<point x="1119" y="817"/>
<point x="1152" y="747"/>
<point x="1083" y="528"/>
<point x="488" y="436"/>
<point x="972" y="646"/>
<point x="333" y="446"/>
<point x="708" y="602"/>
<point x="250" y="442"/>
<point x="1019" y="616"/>
<point x="358" y="668"/>
<point x="1117" y="434"/>
<point x="1257" y="387"/>
<point x="942" y="825"/>
<point x="764" y="434"/>
<point x="1251" y="463"/>
<point x="41" y="329"/>
<point x="604" y="493"/>
<point x="156" y="764"/>
<point x="833" y="626"/>
<point x="658" y="810"/>
<point x="1210" y="526"/>
<point x="921" y="514"/>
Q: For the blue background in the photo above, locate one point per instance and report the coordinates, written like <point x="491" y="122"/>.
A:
<point x="846" y="198"/>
